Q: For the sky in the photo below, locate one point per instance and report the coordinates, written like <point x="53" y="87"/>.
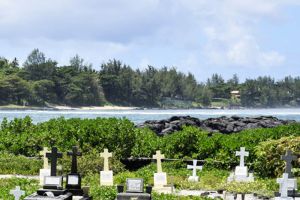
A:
<point x="249" y="38"/>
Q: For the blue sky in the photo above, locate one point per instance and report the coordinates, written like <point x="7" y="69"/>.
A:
<point x="246" y="37"/>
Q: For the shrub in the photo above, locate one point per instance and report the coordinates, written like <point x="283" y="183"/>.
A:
<point x="268" y="155"/>
<point x="11" y="164"/>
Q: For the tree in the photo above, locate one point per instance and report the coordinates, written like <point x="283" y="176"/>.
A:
<point x="36" y="66"/>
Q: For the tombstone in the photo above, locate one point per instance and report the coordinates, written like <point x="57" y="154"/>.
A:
<point x="45" y="171"/>
<point x="17" y="193"/>
<point x="134" y="190"/>
<point x="106" y="176"/>
<point x="241" y="172"/>
<point x="53" y="184"/>
<point x="194" y="167"/>
<point x="289" y="158"/>
<point x="287" y="184"/>
<point x="160" y="178"/>
<point x="73" y="182"/>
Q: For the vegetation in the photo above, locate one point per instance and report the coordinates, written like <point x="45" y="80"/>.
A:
<point x="41" y="82"/>
<point x="21" y="137"/>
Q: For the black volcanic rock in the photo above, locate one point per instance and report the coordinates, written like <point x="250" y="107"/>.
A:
<point x="223" y="124"/>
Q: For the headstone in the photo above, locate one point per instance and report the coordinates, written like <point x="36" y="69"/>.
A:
<point x="45" y="171"/>
<point x="194" y="167"/>
<point x="285" y="183"/>
<point x="17" y="193"/>
<point x="106" y="176"/>
<point x="134" y="190"/>
<point x="160" y="178"/>
<point x="241" y="172"/>
<point x="73" y="183"/>
<point x="289" y="158"/>
<point x="54" y="155"/>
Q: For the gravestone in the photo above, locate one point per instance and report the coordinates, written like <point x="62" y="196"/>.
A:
<point x="17" y="193"/>
<point x="134" y="190"/>
<point x="53" y="184"/>
<point x="73" y="183"/>
<point x="241" y="172"/>
<point x="106" y="176"/>
<point x="289" y="158"/>
<point x="160" y="178"/>
<point x="45" y="171"/>
<point x="287" y="184"/>
<point x="194" y="167"/>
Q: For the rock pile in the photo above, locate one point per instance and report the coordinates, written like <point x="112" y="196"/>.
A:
<point x="223" y="124"/>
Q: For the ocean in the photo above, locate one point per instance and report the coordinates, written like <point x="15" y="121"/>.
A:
<point x="139" y="116"/>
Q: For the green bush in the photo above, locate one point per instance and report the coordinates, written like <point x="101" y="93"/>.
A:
<point x="12" y="164"/>
<point x="29" y="186"/>
<point x="268" y="155"/>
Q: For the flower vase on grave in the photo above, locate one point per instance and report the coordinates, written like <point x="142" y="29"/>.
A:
<point x="45" y="171"/>
<point x="160" y="178"/>
<point x="106" y="176"/>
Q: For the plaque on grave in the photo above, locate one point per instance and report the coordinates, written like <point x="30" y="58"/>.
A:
<point x="135" y="190"/>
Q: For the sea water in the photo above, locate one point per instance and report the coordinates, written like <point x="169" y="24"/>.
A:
<point x="139" y="116"/>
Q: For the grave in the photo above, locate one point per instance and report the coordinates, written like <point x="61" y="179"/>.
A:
<point x="106" y="176"/>
<point x="73" y="182"/>
<point x="241" y="172"/>
<point x="160" y="178"/>
<point x="53" y="184"/>
<point x="134" y="190"/>
<point x="17" y="193"/>
<point x="287" y="184"/>
<point x="194" y="167"/>
<point x="45" y="171"/>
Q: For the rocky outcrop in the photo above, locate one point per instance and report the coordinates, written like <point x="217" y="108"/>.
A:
<point x="225" y="125"/>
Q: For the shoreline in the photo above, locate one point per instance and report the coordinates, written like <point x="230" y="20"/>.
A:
<point x="57" y="108"/>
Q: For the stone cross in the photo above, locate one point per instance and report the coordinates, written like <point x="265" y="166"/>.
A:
<point x="53" y="157"/>
<point x="106" y="155"/>
<point x="74" y="153"/>
<point x="288" y="158"/>
<point x="17" y="192"/>
<point x="242" y="153"/>
<point x="43" y="153"/>
<point x="159" y="157"/>
<point x="194" y="167"/>
<point x="284" y="184"/>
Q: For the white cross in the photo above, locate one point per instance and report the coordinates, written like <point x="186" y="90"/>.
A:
<point x="242" y="153"/>
<point x="284" y="184"/>
<point x="43" y="153"/>
<point x="106" y="155"/>
<point x="17" y="192"/>
<point x="158" y="156"/>
<point x="194" y="167"/>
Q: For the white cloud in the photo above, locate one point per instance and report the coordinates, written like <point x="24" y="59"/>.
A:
<point x="185" y="33"/>
<point x="230" y="30"/>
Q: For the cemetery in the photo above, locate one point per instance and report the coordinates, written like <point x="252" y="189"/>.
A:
<point x="113" y="159"/>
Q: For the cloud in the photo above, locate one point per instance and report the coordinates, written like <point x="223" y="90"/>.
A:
<point x="230" y="31"/>
<point x="190" y="34"/>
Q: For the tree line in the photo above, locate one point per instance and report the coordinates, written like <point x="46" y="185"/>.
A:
<point x="39" y="81"/>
